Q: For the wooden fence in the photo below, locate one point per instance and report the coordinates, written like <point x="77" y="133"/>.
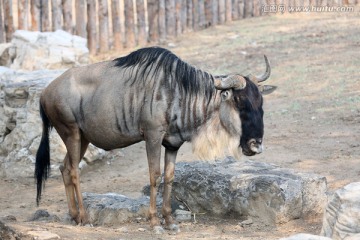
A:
<point x="116" y="24"/>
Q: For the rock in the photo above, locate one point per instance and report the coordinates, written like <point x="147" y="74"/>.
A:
<point x="305" y="236"/>
<point x="43" y="235"/>
<point x="48" y="50"/>
<point x="182" y="215"/>
<point x="249" y="189"/>
<point x="43" y="215"/>
<point x="342" y="214"/>
<point x="21" y="126"/>
<point x="114" y="209"/>
<point x="6" y="233"/>
<point x="7" y="52"/>
<point x="246" y="222"/>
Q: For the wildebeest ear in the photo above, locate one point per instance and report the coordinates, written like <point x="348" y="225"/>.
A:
<point x="267" y="89"/>
<point x="226" y="95"/>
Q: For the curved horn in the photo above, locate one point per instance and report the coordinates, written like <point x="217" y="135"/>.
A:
<point x="236" y="82"/>
<point x="266" y="75"/>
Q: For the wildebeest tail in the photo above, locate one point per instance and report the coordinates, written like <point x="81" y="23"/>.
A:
<point x="42" y="164"/>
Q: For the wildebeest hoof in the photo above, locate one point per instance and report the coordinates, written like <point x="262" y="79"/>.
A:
<point x="158" y="230"/>
<point x="173" y="227"/>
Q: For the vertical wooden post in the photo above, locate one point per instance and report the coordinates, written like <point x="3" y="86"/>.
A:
<point x="115" y="12"/>
<point x="67" y="15"/>
<point x="103" y="26"/>
<point x="201" y="10"/>
<point x="190" y="18"/>
<point x="153" y="18"/>
<point x="23" y="9"/>
<point x="45" y="16"/>
<point x="170" y="17"/>
<point x="235" y="10"/>
<point x="195" y="12"/>
<point x="80" y="26"/>
<point x="140" y="10"/>
<point x="248" y="8"/>
<point x="178" y="17"/>
<point x="8" y="20"/>
<point x="183" y="15"/>
<point x="208" y="12"/>
<point x="162" y="21"/>
<point x="91" y="26"/>
<point x="222" y="11"/>
<point x="228" y="11"/>
<point x="129" y="24"/>
<point x="2" y="35"/>
<point x="241" y="8"/>
<point x="56" y="15"/>
<point x="215" y="12"/>
<point x="35" y="15"/>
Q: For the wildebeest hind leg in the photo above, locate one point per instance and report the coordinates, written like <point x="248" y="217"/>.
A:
<point x="169" y="168"/>
<point x="76" y="147"/>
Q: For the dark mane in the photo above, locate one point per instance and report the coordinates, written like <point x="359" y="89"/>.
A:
<point x="189" y="78"/>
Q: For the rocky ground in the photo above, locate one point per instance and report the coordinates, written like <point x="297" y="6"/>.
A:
<point x="311" y="123"/>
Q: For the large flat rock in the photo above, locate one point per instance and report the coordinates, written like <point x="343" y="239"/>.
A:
<point x="249" y="189"/>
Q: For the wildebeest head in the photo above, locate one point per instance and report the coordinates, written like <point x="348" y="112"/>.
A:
<point x="241" y="109"/>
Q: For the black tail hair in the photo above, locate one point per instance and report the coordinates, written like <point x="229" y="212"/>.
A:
<point x="42" y="164"/>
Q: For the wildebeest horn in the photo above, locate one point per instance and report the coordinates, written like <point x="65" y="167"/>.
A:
<point x="236" y="82"/>
<point x="266" y="75"/>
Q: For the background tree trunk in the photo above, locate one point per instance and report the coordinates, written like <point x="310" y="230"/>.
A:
<point x="222" y="11"/>
<point x="215" y="12"/>
<point x="170" y="17"/>
<point x="235" y="9"/>
<point x="202" y="19"/>
<point x="162" y="21"/>
<point x="67" y="15"/>
<point x="153" y="18"/>
<point x="23" y="13"/>
<point x="2" y="35"/>
<point x="56" y="15"/>
<point x="208" y="12"/>
<point x="103" y="26"/>
<point x="115" y="12"/>
<point x="91" y="26"/>
<point x="140" y="10"/>
<point x="248" y="8"/>
<point x="241" y="8"/>
<point x="190" y="18"/>
<point x="129" y="24"/>
<point x="35" y="15"/>
<point x="228" y="11"/>
<point x="80" y="27"/>
<point x="178" y="12"/>
<point x="8" y="20"/>
<point x="45" y="16"/>
<point x="195" y="12"/>
<point x="183" y="15"/>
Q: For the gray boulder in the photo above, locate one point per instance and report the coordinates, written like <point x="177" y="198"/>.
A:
<point x="114" y="209"/>
<point x="342" y="214"/>
<point x="48" y="50"/>
<point x="249" y="189"/>
<point x="21" y="126"/>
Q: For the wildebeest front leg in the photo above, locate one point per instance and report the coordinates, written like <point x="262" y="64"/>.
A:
<point x="169" y="168"/>
<point x="153" y="150"/>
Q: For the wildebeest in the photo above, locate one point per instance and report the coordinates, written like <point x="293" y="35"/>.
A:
<point x="149" y="95"/>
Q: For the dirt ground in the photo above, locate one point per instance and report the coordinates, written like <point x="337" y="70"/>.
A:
<point x="312" y="123"/>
